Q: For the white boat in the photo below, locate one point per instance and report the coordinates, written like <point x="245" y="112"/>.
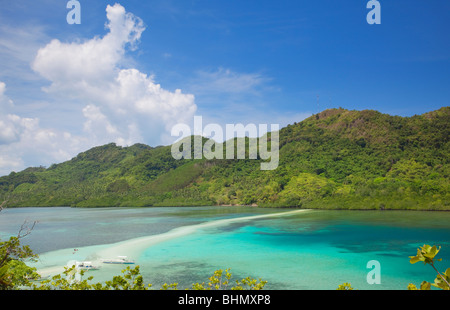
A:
<point x="86" y="266"/>
<point x="119" y="260"/>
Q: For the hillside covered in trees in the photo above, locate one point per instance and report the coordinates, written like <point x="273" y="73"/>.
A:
<point x="337" y="159"/>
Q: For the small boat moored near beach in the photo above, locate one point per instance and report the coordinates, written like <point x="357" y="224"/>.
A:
<point x="85" y="266"/>
<point x="119" y="260"/>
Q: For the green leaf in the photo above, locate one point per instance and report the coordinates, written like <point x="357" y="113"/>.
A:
<point x="447" y="273"/>
<point x="414" y="259"/>
<point x="426" y="248"/>
<point x="425" y="286"/>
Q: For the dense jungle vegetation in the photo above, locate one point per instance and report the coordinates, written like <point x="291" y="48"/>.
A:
<point x="336" y="159"/>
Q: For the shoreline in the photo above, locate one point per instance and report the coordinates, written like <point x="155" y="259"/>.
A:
<point x="134" y="247"/>
<point x="230" y="205"/>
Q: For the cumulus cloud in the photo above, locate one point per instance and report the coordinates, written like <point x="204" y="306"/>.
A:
<point x="98" y="127"/>
<point x="124" y="104"/>
<point x="4" y="100"/>
<point x="10" y="124"/>
<point x="115" y="103"/>
<point x="22" y="140"/>
<point x="35" y="146"/>
<point x="75" y="64"/>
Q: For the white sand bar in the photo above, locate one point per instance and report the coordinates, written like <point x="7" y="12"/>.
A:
<point x="134" y="247"/>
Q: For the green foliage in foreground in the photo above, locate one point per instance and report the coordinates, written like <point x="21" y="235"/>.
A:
<point x="337" y="159"/>
<point x="13" y="270"/>
<point x="131" y="279"/>
<point x="345" y="287"/>
<point x="15" y="274"/>
<point x="427" y="255"/>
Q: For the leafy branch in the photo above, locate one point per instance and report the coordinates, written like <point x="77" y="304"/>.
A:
<point x="2" y="205"/>
<point x="13" y="271"/>
<point x="133" y="280"/>
<point x="427" y="255"/>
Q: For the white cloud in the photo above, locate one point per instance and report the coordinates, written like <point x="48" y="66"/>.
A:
<point x="115" y="103"/>
<point x="100" y="130"/>
<point x="110" y="101"/>
<point x="23" y="141"/>
<point x="96" y="118"/>
<point x="5" y="102"/>
<point x="132" y="105"/>
<point x="2" y="90"/>
<point x="73" y="65"/>
<point x="10" y="124"/>
<point x="150" y="99"/>
<point x="9" y="163"/>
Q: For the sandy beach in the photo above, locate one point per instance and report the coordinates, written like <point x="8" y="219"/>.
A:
<point x="53" y="263"/>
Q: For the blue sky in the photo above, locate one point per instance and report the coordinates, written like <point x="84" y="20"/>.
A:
<point x="65" y="88"/>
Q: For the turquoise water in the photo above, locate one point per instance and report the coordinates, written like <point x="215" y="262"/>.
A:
<point x="306" y="250"/>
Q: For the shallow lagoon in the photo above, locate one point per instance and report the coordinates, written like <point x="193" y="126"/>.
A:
<point x="306" y="250"/>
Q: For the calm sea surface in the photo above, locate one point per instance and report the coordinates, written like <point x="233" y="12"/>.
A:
<point x="308" y="250"/>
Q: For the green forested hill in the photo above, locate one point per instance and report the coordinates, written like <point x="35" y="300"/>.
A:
<point x="335" y="159"/>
